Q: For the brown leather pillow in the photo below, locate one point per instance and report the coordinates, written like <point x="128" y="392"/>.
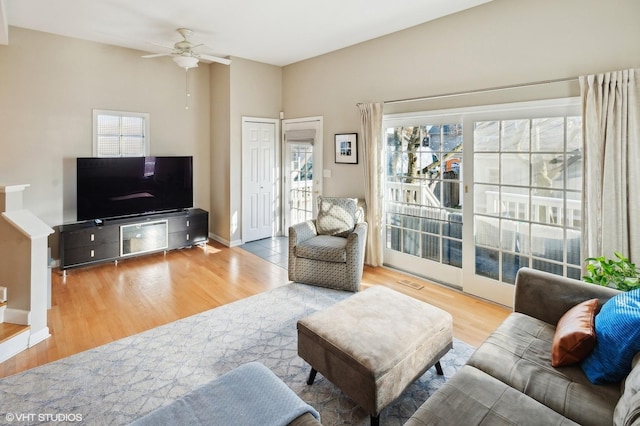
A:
<point x="575" y="334"/>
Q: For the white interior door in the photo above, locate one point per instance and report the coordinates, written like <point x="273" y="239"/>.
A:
<point x="259" y="174"/>
<point x="302" y="169"/>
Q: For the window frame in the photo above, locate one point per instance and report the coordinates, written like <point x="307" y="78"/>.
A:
<point x="121" y="114"/>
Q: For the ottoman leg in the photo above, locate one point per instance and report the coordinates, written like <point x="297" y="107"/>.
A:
<point x="375" y="420"/>
<point x="439" y="369"/>
<point x="312" y="376"/>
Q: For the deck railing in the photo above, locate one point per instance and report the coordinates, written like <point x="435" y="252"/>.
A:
<point x="416" y="225"/>
<point x="536" y="208"/>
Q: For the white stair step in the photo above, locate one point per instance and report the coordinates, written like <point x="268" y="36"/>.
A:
<point x="13" y="340"/>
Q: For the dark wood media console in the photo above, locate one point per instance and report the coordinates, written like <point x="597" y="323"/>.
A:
<point x="85" y="243"/>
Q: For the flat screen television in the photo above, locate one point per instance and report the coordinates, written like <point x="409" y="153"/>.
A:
<point x="126" y="186"/>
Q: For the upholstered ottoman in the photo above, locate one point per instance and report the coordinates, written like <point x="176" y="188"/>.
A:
<point x="374" y="344"/>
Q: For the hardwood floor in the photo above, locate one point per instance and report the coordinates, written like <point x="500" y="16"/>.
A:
<point x="97" y="305"/>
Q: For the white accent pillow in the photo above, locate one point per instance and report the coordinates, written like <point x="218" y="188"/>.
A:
<point x="336" y="216"/>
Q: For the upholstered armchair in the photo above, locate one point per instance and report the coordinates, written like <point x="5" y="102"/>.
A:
<point x="329" y="251"/>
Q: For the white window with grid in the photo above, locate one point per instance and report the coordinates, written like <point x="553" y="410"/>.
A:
<point x="120" y="134"/>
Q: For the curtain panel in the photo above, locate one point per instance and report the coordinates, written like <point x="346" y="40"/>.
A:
<point x="371" y="128"/>
<point x="611" y="174"/>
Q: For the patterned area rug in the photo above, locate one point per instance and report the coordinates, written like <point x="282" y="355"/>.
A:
<point x="123" y="380"/>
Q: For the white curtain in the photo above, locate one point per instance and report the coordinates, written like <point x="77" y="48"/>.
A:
<point x="371" y="128"/>
<point x="611" y="189"/>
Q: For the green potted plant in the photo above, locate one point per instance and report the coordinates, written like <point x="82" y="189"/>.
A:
<point x="618" y="273"/>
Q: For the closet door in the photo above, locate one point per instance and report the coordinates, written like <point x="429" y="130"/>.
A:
<point x="259" y="199"/>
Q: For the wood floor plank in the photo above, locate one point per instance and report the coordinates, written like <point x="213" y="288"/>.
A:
<point x="99" y="304"/>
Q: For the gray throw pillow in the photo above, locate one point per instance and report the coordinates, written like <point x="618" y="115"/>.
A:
<point x="336" y="216"/>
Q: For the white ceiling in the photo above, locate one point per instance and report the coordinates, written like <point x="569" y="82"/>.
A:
<point x="277" y="32"/>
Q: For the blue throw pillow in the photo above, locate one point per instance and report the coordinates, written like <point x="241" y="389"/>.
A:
<point x="617" y="339"/>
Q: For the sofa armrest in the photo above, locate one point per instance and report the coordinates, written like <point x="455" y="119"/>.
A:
<point x="356" y="242"/>
<point x="359" y="232"/>
<point x="547" y="296"/>
<point x="301" y="232"/>
<point x="297" y="234"/>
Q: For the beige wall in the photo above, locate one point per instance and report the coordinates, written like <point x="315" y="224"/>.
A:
<point x="48" y="88"/>
<point x="245" y="88"/>
<point x="50" y="85"/>
<point x="220" y="171"/>
<point x="503" y="42"/>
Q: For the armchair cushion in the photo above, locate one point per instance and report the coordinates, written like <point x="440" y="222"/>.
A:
<point x="336" y="216"/>
<point x="323" y="247"/>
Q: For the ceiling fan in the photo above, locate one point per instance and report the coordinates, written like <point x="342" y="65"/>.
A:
<point x="184" y="54"/>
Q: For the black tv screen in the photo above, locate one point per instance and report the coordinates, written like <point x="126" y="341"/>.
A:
<point x="115" y="187"/>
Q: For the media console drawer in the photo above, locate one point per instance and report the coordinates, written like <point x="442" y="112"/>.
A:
<point x="85" y="255"/>
<point x="187" y="230"/>
<point x="93" y="236"/>
<point x="85" y="243"/>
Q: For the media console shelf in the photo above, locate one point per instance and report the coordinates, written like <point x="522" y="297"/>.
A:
<point x="86" y="243"/>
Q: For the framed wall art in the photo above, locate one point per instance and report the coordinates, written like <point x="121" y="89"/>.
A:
<point x="346" y="148"/>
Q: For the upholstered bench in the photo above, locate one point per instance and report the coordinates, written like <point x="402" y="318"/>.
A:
<point x="248" y="395"/>
<point x="374" y="344"/>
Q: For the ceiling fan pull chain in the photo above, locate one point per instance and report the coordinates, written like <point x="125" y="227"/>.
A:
<point x="188" y="94"/>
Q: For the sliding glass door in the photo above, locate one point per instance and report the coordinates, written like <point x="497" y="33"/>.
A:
<point x="474" y="195"/>
<point x="527" y="181"/>
<point x="423" y="198"/>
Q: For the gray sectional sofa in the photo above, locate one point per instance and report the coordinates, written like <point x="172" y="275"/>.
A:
<point x="509" y="379"/>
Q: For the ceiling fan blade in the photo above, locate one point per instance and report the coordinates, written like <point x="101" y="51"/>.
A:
<point x="223" y="61"/>
<point x="156" y="55"/>
<point x="162" y="45"/>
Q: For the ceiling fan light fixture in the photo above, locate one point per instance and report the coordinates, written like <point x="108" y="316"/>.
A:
<point x="186" y="62"/>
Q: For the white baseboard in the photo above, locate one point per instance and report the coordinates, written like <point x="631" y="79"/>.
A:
<point x="235" y="243"/>
<point x="39" y="336"/>
<point x="14" y="345"/>
<point x="17" y="316"/>
<point x="220" y="239"/>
